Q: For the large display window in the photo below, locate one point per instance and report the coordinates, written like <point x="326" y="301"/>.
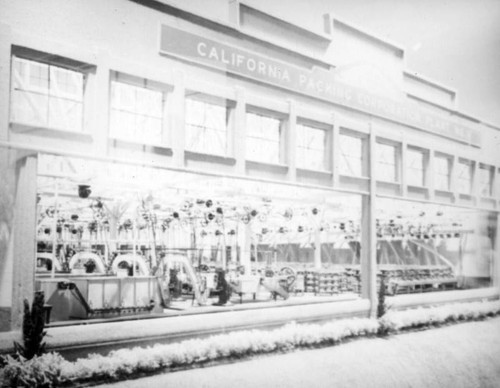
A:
<point x="426" y="247"/>
<point x="121" y="239"/>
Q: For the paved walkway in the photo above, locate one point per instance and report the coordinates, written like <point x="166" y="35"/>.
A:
<point x="463" y="355"/>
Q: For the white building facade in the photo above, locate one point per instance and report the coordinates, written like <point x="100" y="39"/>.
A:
<point x="314" y="150"/>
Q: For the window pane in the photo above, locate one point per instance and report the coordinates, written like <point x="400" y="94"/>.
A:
<point x="122" y="124"/>
<point x="485" y="181"/>
<point x="38" y="76"/>
<point x="311" y="147"/>
<point x="195" y="114"/>
<point x="351" y="155"/>
<point x="66" y="83"/>
<point x="149" y="102"/>
<point x="46" y="95"/>
<point x="65" y="114"/>
<point x="263" y="138"/>
<point x="123" y="96"/>
<point x="18" y="73"/>
<point x="434" y="244"/>
<point x="206" y="128"/>
<point x="443" y="170"/>
<point x="136" y="113"/>
<point x="415" y="169"/>
<point x="464" y="177"/>
<point x="29" y="108"/>
<point x="30" y="75"/>
<point x="386" y="163"/>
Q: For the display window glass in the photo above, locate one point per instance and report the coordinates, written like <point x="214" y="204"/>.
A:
<point x="415" y="167"/>
<point x="136" y="113"/>
<point x="442" y="167"/>
<point x="387" y="162"/>
<point x="311" y="147"/>
<point x="430" y="248"/>
<point x="206" y="127"/>
<point x="351" y="155"/>
<point x="46" y="95"/>
<point x="263" y="138"/>
<point x="171" y="236"/>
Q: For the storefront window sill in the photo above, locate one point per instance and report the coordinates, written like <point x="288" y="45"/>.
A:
<point x="200" y="156"/>
<point x="274" y="166"/>
<point x="388" y="183"/>
<point x="466" y="197"/>
<point x="446" y="193"/>
<point x="418" y="188"/>
<point x="119" y="141"/>
<point x="310" y="171"/>
<point x="50" y="132"/>
<point x="354" y="177"/>
<point x="488" y="199"/>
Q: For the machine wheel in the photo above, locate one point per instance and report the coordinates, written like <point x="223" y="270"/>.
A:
<point x="290" y="274"/>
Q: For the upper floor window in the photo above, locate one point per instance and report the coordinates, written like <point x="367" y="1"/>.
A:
<point x="486" y="180"/>
<point x="46" y="95"/>
<point x="415" y="167"/>
<point x="206" y="127"/>
<point x="311" y="148"/>
<point x="464" y="176"/>
<point x="351" y="155"/>
<point x="136" y="113"/>
<point x="442" y="167"/>
<point x="263" y="138"/>
<point x="387" y="162"/>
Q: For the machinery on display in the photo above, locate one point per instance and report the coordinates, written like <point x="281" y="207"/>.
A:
<point x="105" y="257"/>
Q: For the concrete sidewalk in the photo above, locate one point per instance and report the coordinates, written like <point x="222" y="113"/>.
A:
<point x="463" y="355"/>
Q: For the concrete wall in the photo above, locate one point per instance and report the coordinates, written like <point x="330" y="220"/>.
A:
<point x="365" y="62"/>
<point x="428" y="90"/>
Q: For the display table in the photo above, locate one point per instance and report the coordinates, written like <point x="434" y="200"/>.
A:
<point x="246" y="285"/>
<point x="98" y="296"/>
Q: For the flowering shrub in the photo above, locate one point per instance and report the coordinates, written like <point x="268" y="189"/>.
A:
<point x="40" y="371"/>
<point x="232" y="345"/>
<point x="51" y="369"/>
<point x="420" y="317"/>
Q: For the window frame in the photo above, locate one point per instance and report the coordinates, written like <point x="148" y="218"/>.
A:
<point x="437" y="175"/>
<point x="327" y="144"/>
<point x="229" y="106"/>
<point x="50" y="91"/>
<point x="481" y="184"/>
<point x="282" y="135"/>
<point x="470" y="164"/>
<point x="425" y="166"/>
<point x="363" y="137"/>
<point x="397" y="159"/>
<point x="145" y="84"/>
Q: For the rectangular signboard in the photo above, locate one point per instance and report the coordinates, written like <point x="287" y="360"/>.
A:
<point x="317" y="83"/>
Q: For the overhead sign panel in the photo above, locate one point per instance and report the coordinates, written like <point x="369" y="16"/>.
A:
<point x="317" y="83"/>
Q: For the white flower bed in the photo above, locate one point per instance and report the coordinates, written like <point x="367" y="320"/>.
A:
<point x="53" y="369"/>
<point x="399" y="320"/>
<point x="232" y="345"/>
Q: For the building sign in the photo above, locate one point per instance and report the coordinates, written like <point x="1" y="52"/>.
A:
<point x="317" y="83"/>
